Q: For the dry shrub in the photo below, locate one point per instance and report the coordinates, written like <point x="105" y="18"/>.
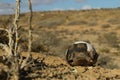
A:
<point x="118" y="27"/>
<point x="106" y="61"/>
<point x="77" y="22"/>
<point x="92" y="23"/>
<point x="105" y="50"/>
<point x="106" y="26"/>
<point x="3" y="75"/>
<point x="51" y="22"/>
<point x="43" y="40"/>
<point x="6" y="20"/>
<point x="23" y="42"/>
<point x="50" y="43"/>
<point x="109" y="38"/>
<point x="114" y="21"/>
<point x="38" y="47"/>
<point x="61" y="49"/>
<point x="90" y="31"/>
<point x="3" y="37"/>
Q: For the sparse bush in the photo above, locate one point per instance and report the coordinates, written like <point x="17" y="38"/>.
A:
<point x="24" y="39"/>
<point x="92" y="23"/>
<point x="105" y="50"/>
<point x="3" y="75"/>
<point x="3" y="37"/>
<point x="52" y="22"/>
<point x="112" y="39"/>
<point x="106" y="61"/>
<point x="60" y="50"/>
<point x="91" y="31"/>
<point x="106" y="25"/>
<point x="114" y="21"/>
<point x="38" y="47"/>
<point x="77" y="22"/>
<point x="109" y="38"/>
<point x="103" y="61"/>
<point x="117" y="27"/>
<point x="43" y="40"/>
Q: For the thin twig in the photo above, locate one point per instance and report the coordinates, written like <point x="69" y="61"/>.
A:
<point x="3" y="29"/>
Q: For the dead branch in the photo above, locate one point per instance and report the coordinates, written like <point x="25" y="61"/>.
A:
<point x="13" y="44"/>
<point x="17" y="63"/>
<point x="30" y="28"/>
<point x="8" y="48"/>
<point x="28" y="61"/>
<point x="17" y="14"/>
<point x="3" y="29"/>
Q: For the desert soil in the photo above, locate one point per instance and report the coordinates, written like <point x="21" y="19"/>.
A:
<point x="56" y="68"/>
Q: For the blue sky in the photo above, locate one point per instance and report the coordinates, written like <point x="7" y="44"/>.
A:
<point x="7" y="6"/>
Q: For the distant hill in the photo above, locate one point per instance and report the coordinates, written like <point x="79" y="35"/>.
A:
<point x="70" y="17"/>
